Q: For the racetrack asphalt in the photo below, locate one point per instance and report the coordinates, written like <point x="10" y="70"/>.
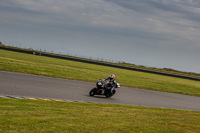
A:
<point x="25" y="85"/>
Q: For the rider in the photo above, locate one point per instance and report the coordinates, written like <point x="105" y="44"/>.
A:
<point x="111" y="81"/>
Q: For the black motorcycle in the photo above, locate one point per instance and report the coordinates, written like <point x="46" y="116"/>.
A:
<point x="103" y="88"/>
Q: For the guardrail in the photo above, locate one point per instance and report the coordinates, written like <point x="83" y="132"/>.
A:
<point x="96" y="62"/>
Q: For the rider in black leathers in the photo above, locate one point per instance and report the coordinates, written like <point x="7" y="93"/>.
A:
<point x="110" y="81"/>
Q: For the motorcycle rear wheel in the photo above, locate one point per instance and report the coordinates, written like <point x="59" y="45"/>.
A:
<point x="110" y="94"/>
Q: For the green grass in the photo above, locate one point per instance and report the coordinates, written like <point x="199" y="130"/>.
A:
<point x="21" y="115"/>
<point x="40" y="65"/>
<point x="52" y="116"/>
<point x="164" y="70"/>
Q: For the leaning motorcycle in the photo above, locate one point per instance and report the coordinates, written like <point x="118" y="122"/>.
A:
<point x="103" y="88"/>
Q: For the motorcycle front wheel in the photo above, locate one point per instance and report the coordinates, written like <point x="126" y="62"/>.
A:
<point x="92" y="92"/>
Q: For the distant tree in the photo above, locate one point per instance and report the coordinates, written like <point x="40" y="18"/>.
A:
<point x="1" y="44"/>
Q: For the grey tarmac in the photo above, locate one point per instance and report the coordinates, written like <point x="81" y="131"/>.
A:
<point x="25" y="85"/>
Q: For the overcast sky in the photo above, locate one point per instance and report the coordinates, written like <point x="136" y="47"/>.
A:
<point x="155" y="33"/>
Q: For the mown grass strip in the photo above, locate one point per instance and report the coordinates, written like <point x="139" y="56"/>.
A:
<point x="39" y="65"/>
<point x="22" y="115"/>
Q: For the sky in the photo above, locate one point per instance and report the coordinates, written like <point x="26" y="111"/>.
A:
<point x="153" y="33"/>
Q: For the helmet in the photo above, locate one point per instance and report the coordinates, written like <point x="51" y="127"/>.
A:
<point x="112" y="76"/>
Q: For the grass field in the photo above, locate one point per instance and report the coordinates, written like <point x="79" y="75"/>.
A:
<point x="121" y="63"/>
<point x="40" y="65"/>
<point x="21" y="115"/>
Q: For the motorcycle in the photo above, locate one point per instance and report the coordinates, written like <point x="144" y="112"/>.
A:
<point x="103" y="88"/>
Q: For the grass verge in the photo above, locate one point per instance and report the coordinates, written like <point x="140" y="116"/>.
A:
<point x="21" y="115"/>
<point x="39" y="65"/>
